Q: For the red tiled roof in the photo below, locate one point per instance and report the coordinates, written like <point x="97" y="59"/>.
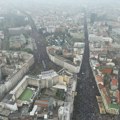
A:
<point x="114" y="82"/>
<point x="101" y="86"/>
<point x="97" y="65"/>
<point x="106" y="95"/>
<point x="99" y="79"/>
<point x="118" y="96"/>
<point x="106" y="70"/>
<point x="41" y="103"/>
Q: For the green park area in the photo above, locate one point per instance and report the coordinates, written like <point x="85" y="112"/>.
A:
<point x="26" y="95"/>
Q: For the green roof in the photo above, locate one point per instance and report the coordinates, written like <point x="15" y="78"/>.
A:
<point x="26" y="95"/>
<point x="115" y="106"/>
<point x="103" y="67"/>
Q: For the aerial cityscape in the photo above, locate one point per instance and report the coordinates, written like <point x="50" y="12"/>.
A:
<point x="59" y="60"/>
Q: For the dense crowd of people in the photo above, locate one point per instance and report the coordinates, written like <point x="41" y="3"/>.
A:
<point x="85" y="104"/>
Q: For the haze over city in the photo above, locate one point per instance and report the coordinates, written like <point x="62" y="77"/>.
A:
<point x="59" y="60"/>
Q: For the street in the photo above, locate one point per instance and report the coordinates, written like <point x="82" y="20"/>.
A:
<point x="40" y="55"/>
<point x="85" y="104"/>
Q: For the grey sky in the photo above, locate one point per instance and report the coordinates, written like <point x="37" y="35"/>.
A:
<point x="62" y="2"/>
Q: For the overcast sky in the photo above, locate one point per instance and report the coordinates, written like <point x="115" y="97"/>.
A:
<point x="63" y="2"/>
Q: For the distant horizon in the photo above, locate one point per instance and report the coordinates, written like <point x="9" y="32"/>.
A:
<point x="62" y="1"/>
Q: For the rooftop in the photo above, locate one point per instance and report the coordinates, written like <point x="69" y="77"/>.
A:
<point x="106" y="76"/>
<point x="12" y="62"/>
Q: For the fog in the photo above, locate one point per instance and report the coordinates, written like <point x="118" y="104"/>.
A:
<point x="53" y="2"/>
